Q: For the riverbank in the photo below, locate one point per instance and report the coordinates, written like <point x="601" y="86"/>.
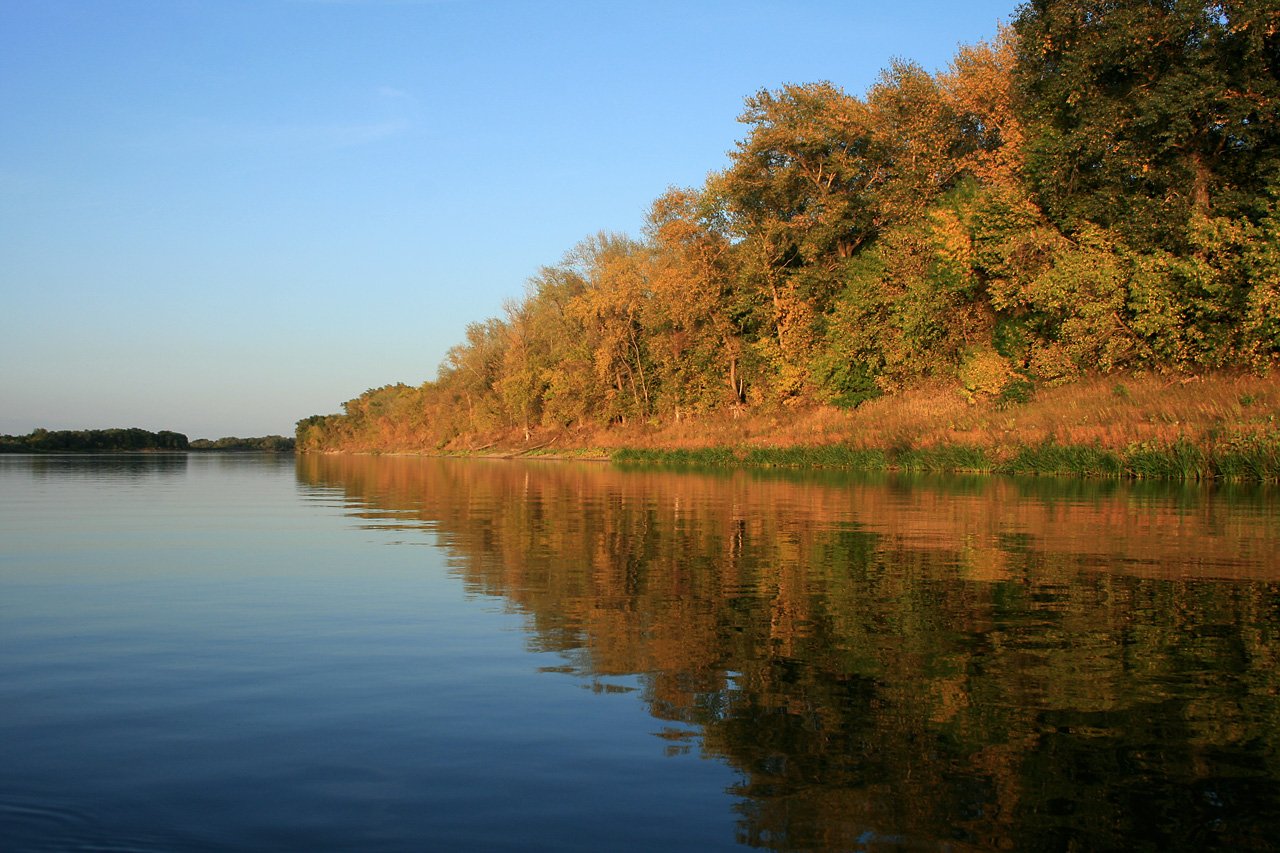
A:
<point x="1243" y="461"/>
<point x="1220" y="426"/>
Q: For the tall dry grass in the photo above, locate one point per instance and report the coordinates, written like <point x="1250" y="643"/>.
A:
<point x="1115" y="412"/>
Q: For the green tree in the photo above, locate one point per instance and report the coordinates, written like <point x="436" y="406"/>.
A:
<point x="1145" y="113"/>
<point x="921" y="135"/>
<point x="801" y="195"/>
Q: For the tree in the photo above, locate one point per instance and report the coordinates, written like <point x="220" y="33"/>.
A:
<point x="692" y="319"/>
<point x="610" y="311"/>
<point x="980" y="88"/>
<point x="920" y="136"/>
<point x="800" y="197"/>
<point x="471" y="370"/>
<point x="1143" y="114"/>
<point x="806" y="176"/>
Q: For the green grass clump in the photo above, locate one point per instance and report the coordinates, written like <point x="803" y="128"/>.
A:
<point x="819" y="456"/>
<point x="1052" y="458"/>
<point x="949" y="458"/>
<point x="1253" y="459"/>
<point x="1181" y="460"/>
<point x="1015" y="393"/>
<point x="697" y="457"/>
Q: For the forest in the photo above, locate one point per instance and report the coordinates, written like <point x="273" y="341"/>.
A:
<point x="265" y="443"/>
<point x="1092" y="192"/>
<point x="133" y="439"/>
<point x="93" y="441"/>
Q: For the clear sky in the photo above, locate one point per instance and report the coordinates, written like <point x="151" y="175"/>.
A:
<point x="220" y="216"/>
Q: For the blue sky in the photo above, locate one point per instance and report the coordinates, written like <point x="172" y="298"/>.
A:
<point x="221" y="216"/>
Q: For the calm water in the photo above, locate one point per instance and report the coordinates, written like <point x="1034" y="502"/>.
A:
<point x="215" y="652"/>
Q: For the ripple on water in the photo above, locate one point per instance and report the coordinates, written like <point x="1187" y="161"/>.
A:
<point x="48" y="825"/>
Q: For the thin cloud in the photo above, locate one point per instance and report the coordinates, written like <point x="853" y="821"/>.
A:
<point x="392" y="112"/>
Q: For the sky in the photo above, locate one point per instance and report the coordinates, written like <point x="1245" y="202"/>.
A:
<point x="220" y="216"/>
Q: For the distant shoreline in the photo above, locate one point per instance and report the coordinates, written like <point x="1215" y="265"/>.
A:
<point x="151" y="452"/>
<point x="134" y="440"/>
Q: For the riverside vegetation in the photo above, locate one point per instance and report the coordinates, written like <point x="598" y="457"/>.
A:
<point x="1061" y="253"/>
<point x="131" y="440"/>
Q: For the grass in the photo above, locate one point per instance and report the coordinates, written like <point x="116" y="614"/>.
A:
<point x="703" y="457"/>
<point x="1223" y="426"/>
<point x="1062" y="459"/>
<point x="1249" y="459"/>
<point x="1135" y="425"/>
<point x="1254" y="461"/>
<point x="943" y="458"/>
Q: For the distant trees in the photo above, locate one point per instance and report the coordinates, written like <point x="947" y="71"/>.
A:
<point x="266" y="443"/>
<point x="134" y="439"/>
<point x="92" y="440"/>
<point x="1093" y="189"/>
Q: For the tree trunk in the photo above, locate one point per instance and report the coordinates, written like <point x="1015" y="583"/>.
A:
<point x="736" y="383"/>
<point x="1200" y="176"/>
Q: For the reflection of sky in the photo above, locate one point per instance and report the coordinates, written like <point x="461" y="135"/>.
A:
<point x="219" y="660"/>
<point x="220" y="217"/>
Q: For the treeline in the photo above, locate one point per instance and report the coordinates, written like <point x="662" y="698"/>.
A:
<point x="93" y="440"/>
<point x="1094" y="189"/>
<point x="268" y="443"/>
<point x="132" y="439"/>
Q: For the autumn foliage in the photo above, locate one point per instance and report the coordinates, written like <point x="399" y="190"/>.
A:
<point x="1092" y="191"/>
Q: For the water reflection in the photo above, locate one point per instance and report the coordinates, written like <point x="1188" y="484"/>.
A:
<point x="897" y="662"/>
<point x="97" y="466"/>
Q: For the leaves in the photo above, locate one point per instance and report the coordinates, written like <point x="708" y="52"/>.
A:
<point x="1143" y="115"/>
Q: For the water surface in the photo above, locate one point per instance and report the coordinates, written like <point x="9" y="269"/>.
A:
<point x="393" y="653"/>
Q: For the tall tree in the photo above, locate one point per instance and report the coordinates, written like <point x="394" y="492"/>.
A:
<point x="980" y="87"/>
<point x="806" y="176"/>
<point x="1146" y="113"/>
<point x="920" y="134"/>
<point x="610" y="310"/>
<point x="692" y="318"/>
<point x="802" y="196"/>
<point x="471" y="371"/>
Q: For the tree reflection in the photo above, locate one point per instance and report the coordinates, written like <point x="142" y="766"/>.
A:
<point x="969" y="663"/>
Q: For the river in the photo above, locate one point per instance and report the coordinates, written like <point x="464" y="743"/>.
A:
<point x="394" y="653"/>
